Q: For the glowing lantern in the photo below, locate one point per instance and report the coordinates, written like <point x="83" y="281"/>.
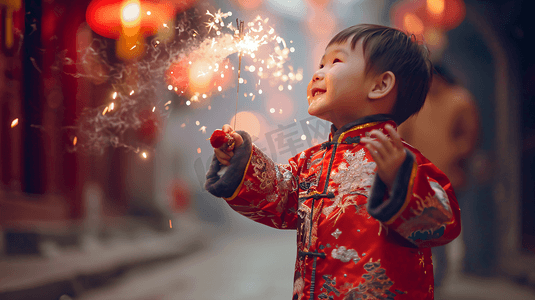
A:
<point x="440" y="14"/>
<point x="128" y="21"/>
<point x="200" y="75"/>
<point x="177" y="75"/>
<point x="11" y="6"/>
<point x="413" y="24"/>
<point x="193" y="74"/>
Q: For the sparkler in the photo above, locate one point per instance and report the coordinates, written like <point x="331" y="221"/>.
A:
<point x="204" y="56"/>
<point x="240" y="35"/>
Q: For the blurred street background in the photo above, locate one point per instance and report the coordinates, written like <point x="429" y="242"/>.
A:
<point x="106" y="107"/>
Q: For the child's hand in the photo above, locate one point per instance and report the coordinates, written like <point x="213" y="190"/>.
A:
<point x="388" y="154"/>
<point x="224" y="153"/>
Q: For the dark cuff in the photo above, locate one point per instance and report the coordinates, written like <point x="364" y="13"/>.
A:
<point x="225" y="185"/>
<point x="384" y="210"/>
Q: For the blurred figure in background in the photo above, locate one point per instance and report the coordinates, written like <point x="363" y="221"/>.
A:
<point x="446" y="131"/>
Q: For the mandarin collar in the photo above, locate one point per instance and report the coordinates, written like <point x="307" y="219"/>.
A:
<point x="379" y="118"/>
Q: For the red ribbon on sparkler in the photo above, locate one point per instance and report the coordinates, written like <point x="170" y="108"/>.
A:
<point x="219" y="138"/>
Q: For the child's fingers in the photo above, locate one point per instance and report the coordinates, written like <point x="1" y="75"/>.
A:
<point x="237" y="138"/>
<point x="223" y="155"/>
<point x="226" y="128"/>
<point x="383" y="140"/>
<point x="375" y="148"/>
<point x="394" y="135"/>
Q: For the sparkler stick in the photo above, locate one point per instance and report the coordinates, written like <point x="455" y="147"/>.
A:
<point x="240" y="53"/>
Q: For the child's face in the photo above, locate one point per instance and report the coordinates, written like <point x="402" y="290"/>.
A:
<point x="338" y="89"/>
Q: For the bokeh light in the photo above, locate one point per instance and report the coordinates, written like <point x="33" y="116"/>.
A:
<point x="248" y="121"/>
<point x="131" y="12"/>
<point x="321" y="23"/>
<point x="200" y="76"/>
<point x="280" y="106"/>
<point x="435" y="6"/>
<point x="250" y="4"/>
<point x="413" y="24"/>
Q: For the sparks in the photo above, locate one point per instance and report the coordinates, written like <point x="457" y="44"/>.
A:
<point x="15" y="122"/>
<point x="132" y="92"/>
<point x="144" y="154"/>
<point x="217" y="19"/>
<point x="203" y="129"/>
<point x="170" y="224"/>
<point x="114" y="95"/>
<point x="74" y="141"/>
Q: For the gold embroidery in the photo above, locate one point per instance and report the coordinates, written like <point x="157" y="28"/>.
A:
<point x="242" y="179"/>
<point x="362" y="126"/>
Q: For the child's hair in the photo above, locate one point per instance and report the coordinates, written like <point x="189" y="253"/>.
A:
<point x="389" y="49"/>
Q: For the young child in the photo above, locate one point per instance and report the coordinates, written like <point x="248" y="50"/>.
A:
<point x="367" y="206"/>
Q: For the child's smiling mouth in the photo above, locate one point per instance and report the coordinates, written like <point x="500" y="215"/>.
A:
<point x="316" y="91"/>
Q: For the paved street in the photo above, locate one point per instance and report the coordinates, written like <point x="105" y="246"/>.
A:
<point x="250" y="261"/>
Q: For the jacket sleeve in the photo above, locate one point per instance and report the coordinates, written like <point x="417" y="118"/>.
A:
<point x="421" y="207"/>
<point x="256" y="187"/>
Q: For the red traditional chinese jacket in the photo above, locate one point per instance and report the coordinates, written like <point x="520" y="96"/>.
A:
<point x="355" y="239"/>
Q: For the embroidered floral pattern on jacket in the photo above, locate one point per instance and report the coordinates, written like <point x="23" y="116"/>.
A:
<point x="336" y="233"/>
<point x="376" y="284"/>
<point x="329" y="286"/>
<point x="354" y="177"/>
<point x="345" y="255"/>
<point x="430" y="216"/>
<point x="299" y="287"/>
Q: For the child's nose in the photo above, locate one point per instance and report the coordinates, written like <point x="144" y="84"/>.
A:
<point x="318" y="75"/>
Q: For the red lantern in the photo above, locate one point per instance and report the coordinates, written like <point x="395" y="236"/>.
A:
<point x="439" y="14"/>
<point x="109" y="17"/>
<point x="177" y="75"/>
<point x="128" y="21"/>
<point x="192" y="74"/>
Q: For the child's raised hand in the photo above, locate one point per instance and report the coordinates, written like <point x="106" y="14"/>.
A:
<point x="388" y="154"/>
<point x="225" y="153"/>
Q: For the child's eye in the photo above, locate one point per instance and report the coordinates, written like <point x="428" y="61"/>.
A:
<point x="336" y="60"/>
<point x="321" y="66"/>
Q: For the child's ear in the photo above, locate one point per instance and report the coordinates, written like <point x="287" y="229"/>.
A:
<point x="382" y="85"/>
